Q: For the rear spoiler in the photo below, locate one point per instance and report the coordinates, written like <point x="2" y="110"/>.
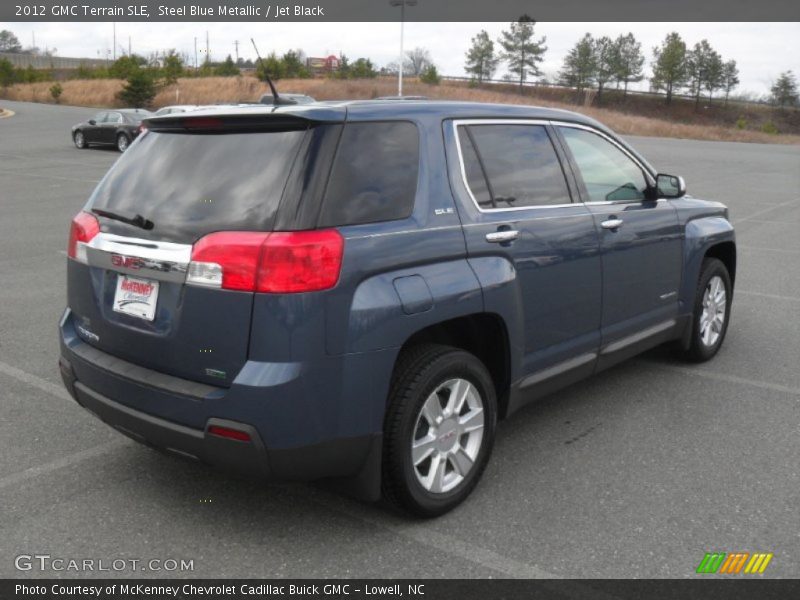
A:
<point x="289" y="120"/>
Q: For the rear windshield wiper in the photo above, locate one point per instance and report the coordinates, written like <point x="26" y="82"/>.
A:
<point x="136" y="220"/>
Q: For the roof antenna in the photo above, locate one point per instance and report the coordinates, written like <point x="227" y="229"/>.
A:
<point x="276" y="99"/>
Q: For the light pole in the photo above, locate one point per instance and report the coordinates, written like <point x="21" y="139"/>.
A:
<point x="402" y="4"/>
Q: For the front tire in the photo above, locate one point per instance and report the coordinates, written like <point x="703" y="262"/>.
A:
<point x="439" y="429"/>
<point x="79" y="140"/>
<point x="712" y="310"/>
<point x="122" y="142"/>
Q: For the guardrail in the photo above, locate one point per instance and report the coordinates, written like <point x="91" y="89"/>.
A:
<point x="560" y="86"/>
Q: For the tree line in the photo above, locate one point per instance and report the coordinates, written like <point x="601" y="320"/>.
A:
<point x="599" y="62"/>
<point x="595" y="63"/>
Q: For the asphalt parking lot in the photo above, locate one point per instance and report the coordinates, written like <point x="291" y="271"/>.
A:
<point x="637" y="472"/>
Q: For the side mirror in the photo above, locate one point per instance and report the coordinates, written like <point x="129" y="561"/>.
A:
<point x="670" y="186"/>
<point x="92" y="122"/>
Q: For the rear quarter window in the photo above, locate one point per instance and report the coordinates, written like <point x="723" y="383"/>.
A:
<point x="374" y="174"/>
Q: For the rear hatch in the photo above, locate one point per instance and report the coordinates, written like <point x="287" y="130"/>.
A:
<point x="162" y="258"/>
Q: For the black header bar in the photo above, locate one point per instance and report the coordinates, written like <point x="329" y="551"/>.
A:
<point x="380" y="10"/>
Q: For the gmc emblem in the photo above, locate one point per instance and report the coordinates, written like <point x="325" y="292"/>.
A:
<point x="129" y="262"/>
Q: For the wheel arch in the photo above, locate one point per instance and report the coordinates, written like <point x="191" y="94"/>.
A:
<point x="725" y="252"/>
<point x="484" y="335"/>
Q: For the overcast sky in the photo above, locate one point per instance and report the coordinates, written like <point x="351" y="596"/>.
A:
<point x="762" y="50"/>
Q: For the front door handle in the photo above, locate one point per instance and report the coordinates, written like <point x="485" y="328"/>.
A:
<point x="506" y="235"/>
<point x="612" y="223"/>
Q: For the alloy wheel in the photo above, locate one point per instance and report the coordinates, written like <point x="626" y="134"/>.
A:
<point x="712" y="319"/>
<point x="447" y="435"/>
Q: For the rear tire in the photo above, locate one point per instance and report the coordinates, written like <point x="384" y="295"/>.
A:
<point x="439" y="429"/>
<point x="712" y="310"/>
<point x="122" y="142"/>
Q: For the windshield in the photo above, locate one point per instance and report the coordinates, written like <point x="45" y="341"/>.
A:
<point x="190" y="184"/>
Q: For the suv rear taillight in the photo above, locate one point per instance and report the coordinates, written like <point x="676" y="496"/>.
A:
<point x="83" y="228"/>
<point x="277" y="263"/>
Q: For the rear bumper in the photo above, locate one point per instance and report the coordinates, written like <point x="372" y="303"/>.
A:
<point x="249" y="458"/>
<point x="128" y="398"/>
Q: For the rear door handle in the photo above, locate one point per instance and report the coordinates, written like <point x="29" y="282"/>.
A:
<point x="612" y="223"/>
<point x="498" y="237"/>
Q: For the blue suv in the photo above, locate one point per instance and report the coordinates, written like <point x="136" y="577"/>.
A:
<point x="359" y="291"/>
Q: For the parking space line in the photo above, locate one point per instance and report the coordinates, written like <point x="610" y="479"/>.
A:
<point x="419" y="533"/>
<point x="765" y="210"/>
<point x="767" y="221"/>
<point x="41" y="176"/>
<point x="35" y="381"/>
<point x="424" y="534"/>
<point x="763" y="295"/>
<point x="60" y="463"/>
<point x="764" y="385"/>
<point x="80" y="163"/>
<point x="765" y="249"/>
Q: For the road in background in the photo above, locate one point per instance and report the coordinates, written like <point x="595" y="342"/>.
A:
<point x="636" y="472"/>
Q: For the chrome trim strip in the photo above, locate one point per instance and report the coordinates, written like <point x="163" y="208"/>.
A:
<point x="558" y="369"/>
<point x="608" y="138"/>
<point x="165" y="261"/>
<point x="638" y="337"/>
<point x="457" y="122"/>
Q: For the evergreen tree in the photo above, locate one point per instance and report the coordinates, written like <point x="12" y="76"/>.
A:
<point x="430" y="75"/>
<point x="139" y="90"/>
<point x="730" y="78"/>
<point x="605" y="63"/>
<point x="580" y="65"/>
<point x="271" y="66"/>
<point x="521" y="51"/>
<point x="481" y="59"/>
<point x="629" y="60"/>
<point x="172" y="67"/>
<point x="363" y="69"/>
<point x="9" y="42"/>
<point x="669" y="67"/>
<point x="293" y="66"/>
<point x="227" y="68"/>
<point x="784" y="90"/>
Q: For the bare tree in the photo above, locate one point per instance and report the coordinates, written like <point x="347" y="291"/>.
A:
<point x="417" y="60"/>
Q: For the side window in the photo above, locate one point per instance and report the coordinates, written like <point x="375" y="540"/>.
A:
<point x="374" y="174"/>
<point x="100" y="117"/>
<point x="512" y="166"/>
<point x="608" y="173"/>
<point x="114" y="117"/>
<point x="476" y="179"/>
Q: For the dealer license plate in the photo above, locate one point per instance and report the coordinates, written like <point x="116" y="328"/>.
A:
<point x="136" y="297"/>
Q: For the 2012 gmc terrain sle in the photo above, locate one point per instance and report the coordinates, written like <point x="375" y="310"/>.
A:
<point x="360" y="290"/>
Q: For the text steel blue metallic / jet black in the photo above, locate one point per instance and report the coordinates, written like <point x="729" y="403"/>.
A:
<point x="360" y="290"/>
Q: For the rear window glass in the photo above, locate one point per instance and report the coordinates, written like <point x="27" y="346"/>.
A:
<point x="135" y="117"/>
<point x="189" y="185"/>
<point x="374" y="175"/>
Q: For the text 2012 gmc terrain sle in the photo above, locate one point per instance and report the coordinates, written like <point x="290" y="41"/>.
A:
<point x="361" y="290"/>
